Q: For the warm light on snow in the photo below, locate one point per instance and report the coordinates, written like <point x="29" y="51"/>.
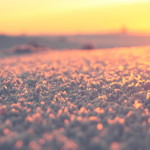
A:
<point x="75" y="99"/>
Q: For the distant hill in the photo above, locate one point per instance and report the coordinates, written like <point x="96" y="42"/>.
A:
<point x="76" y="41"/>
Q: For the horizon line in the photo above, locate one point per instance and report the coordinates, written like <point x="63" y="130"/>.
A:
<point x="74" y="34"/>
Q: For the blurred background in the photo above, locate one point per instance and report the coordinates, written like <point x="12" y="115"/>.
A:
<point x="35" y="25"/>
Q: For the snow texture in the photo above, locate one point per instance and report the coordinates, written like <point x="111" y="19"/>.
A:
<point x="76" y="100"/>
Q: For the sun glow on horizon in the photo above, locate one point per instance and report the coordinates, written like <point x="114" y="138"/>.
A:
<point x="73" y="17"/>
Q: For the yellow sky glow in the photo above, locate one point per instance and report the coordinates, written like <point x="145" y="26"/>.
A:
<point x="71" y="17"/>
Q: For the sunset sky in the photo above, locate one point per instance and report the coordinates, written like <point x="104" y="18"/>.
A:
<point x="73" y="17"/>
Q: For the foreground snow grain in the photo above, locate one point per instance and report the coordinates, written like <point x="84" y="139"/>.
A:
<point x="70" y="100"/>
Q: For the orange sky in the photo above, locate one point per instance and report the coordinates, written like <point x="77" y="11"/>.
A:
<point x="73" y="17"/>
